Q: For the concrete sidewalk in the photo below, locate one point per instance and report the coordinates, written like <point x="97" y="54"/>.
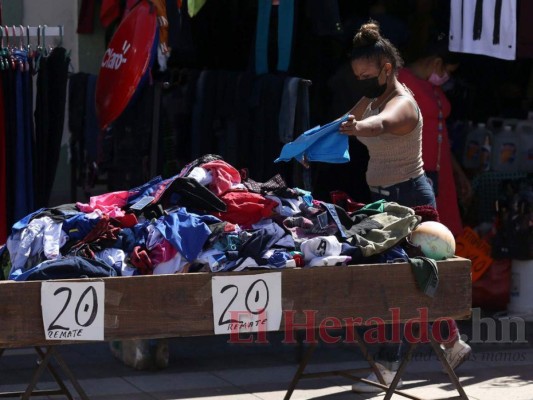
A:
<point x="210" y="368"/>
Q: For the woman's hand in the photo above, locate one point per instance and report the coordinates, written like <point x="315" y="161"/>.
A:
<point x="348" y="127"/>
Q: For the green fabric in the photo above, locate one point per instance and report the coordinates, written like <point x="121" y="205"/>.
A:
<point x="426" y="274"/>
<point x="372" y="208"/>
<point x="194" y="6"/>
<point x="397" y="223"/>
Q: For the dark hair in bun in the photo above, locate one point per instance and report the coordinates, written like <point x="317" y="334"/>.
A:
<point x="368" y="43"/>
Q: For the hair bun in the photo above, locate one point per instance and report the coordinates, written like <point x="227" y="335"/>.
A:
<point x="368" y="34"/>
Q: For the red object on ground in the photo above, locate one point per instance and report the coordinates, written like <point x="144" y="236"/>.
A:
<point x="125" y="62"/>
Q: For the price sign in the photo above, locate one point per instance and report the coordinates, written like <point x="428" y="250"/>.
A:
<point x="73" y="310"/>
<point x="247" y="303"/>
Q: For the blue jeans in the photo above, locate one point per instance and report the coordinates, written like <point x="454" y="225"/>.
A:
<point x="413" y="192"/>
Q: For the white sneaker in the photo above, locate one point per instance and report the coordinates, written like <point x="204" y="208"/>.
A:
<point x="388" y="376"/>
<point x="457" y="354"/>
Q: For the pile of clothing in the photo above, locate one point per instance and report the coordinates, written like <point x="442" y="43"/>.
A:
<point x="208" y="218"/>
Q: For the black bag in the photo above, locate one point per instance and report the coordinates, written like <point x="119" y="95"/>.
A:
<point x="433" y="178"/>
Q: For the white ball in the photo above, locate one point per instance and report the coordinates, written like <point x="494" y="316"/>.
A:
<point x="434" y="239"/>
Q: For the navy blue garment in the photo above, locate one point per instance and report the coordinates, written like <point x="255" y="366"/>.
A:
<point x="413" y="192"/>
<point x="146" y="189"/>
<point x="260" y="242"/>
<point x="49" y="120"/>
<point x="66" y="268"/>
<point x="394" y="254"/>
<point x="79" y="226"/>
<point x="321" y="143"/>
<point x="127" y="241"/>
<point x="24" y="148"/>
<point x="8" y="86"/>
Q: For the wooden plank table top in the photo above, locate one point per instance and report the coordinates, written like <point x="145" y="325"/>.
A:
<point x="181" y="305"/>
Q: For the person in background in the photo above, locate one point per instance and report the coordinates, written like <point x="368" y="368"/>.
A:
<point x="425" y="77"/>
<point x="388" y="121"/>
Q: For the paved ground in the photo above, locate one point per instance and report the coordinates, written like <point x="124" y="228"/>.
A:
<point x="210" y="368"/>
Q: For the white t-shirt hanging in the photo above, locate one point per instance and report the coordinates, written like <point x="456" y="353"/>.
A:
<point x="493" y="39"/>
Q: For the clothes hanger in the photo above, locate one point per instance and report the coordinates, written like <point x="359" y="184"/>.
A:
<point x="43" y="32"/>
<point x="21" y="37"/>
<point x="26" y="54"/>
<point x="60" y="35"/>
<point x="28" y="44"/>
<point x="10" y="60"/>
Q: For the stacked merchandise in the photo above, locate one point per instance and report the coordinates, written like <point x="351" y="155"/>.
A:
<point x="208" y="218"/>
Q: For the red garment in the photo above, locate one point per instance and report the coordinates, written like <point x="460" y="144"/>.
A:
<point x="3" y="182"/>
<point x="245" y="208"/>
<point x="225" y="176"/>
<point x="109" y="12"/>
<point x="447" y="204"/>
<point x="86" y="17"/>
<point x="139" y="258"/>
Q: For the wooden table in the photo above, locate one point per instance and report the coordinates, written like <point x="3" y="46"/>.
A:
<point x="181" y="305"/>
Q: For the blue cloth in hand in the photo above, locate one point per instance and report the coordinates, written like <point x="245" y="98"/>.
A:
<point x="321" y="143"/>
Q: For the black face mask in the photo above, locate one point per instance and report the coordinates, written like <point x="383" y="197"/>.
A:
<point x="370" y="87"/>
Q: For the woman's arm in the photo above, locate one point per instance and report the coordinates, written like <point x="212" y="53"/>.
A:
<point x="399" y="117"/>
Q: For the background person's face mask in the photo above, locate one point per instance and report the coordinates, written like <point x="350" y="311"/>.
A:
<point x="437" y="80"/>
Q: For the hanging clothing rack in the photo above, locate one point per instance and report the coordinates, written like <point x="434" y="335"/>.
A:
<point x="31" y="31"/>
<point x="41" y="32"/>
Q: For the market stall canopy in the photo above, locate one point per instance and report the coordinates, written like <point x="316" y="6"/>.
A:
<point x="126" y="62"/>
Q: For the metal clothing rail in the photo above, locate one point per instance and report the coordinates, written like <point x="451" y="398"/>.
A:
<point x="13" y="34"/>
<point x="31" y="31"/>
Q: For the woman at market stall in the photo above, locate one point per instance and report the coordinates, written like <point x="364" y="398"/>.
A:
<point x="389" y="122"/>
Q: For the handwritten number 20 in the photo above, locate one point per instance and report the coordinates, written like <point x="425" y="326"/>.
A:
<point x="94" y="307"/>
<point x="255" y="298"/>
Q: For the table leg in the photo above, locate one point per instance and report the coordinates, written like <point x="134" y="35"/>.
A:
<point x="300" y="371"/>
